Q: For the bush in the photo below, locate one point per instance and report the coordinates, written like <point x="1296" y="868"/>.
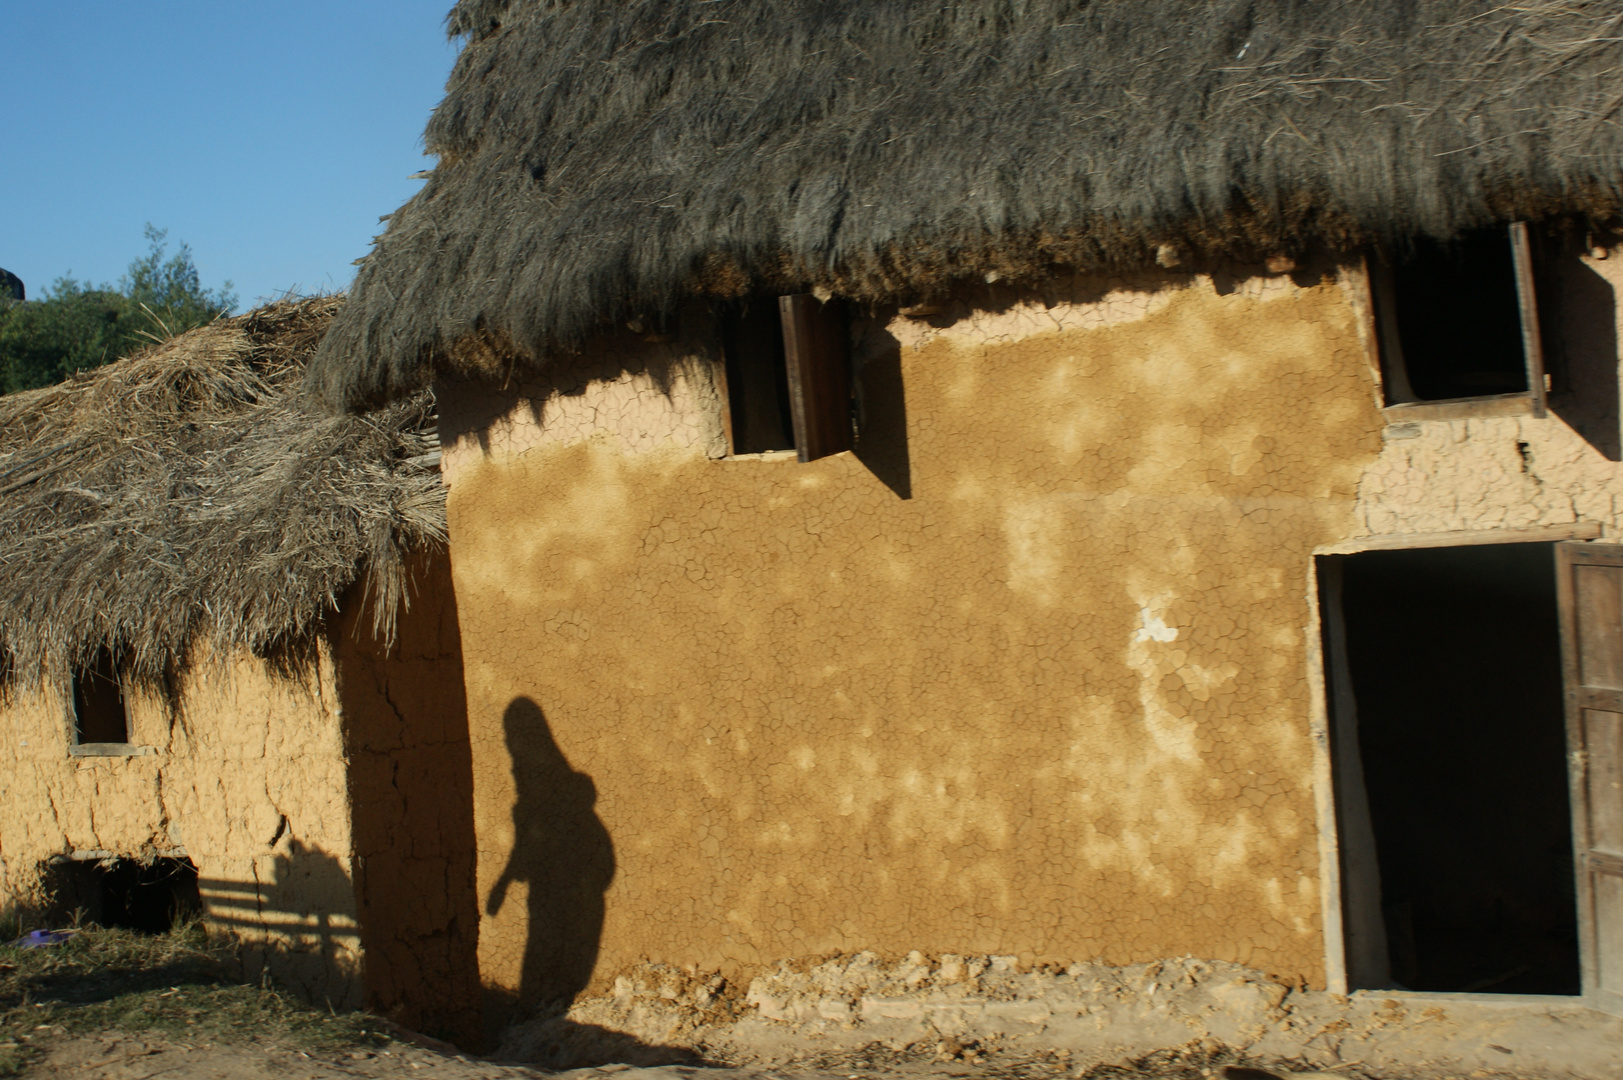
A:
<point x="77" y="326"/>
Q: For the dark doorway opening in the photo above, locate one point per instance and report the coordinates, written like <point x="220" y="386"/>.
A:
<point x="148" y="897"/>
<point x="1452" y="787"/>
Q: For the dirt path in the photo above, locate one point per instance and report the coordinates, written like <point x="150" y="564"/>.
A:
<point x="126" y="1057"/>
<point x="150" y="1057"/>
<point x="109" y="1004"/>
<point x="147" y="1057"/>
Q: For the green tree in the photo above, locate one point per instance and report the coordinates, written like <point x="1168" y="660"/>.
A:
<point x="76" y="325"/>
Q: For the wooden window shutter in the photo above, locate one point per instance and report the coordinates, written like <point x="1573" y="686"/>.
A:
<point x="1521" y="252"/>
<point x="1590" y="584"/>
<point x="819" y="364"/>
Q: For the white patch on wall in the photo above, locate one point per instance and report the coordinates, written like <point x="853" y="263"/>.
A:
<point x="971" y="327"/>
<point x="1147" y="655"/>
<point x="1034" y="532"/>
<point x="1153" y="628"/>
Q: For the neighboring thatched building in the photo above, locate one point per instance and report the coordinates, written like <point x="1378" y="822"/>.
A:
<point x="233" y="669"/>
<point x="1077" y="481"/>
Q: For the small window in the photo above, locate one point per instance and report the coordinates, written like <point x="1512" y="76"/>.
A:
<point x="1459" y="322"/>
<point x="99" y="715"/>
<point x="788" y="377"/>
<point x="757" y="379"/>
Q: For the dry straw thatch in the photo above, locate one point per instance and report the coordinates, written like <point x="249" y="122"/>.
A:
<point x="601" y="160"/>
<point x="194" y="494"/>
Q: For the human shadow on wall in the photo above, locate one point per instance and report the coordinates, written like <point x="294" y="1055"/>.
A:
<point x="882" y="411"/>
<point x="563" y="853"/>
<point x="1586" y="394"/>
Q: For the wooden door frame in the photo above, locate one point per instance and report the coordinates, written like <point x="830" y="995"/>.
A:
<point x="1322" y="732"/>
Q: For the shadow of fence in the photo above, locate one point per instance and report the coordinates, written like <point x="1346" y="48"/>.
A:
<point x="295" y="919"/>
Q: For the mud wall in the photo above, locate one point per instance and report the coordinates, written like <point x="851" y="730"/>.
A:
<point x="328" y="812"/>
<point x="262" y="807"/>
<point x="411" y="790"/>
<point x="1505" y="472"/>
<point x="247" y="779"/>
<point x="56" y="806"/>
<point x="1024" y="675"/>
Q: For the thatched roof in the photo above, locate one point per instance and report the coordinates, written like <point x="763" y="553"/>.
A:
<point x="602" y="159"/>
<point x="193" y="493"/>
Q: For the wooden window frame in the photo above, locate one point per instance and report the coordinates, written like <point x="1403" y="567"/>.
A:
<point x="818" y="355"/>
<point x="104" y="667"/>
<point x="748" y="383"/>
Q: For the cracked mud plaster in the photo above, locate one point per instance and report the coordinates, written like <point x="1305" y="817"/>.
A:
<point x="291" y="795"/>
<point x="1054" y="705"/>
<point x="1510" y="472"/>
<point x="411" y="785"/>
<point x="248" y="779"/>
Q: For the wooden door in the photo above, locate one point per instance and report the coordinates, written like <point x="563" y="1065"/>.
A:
<point x="1590" y="582"/>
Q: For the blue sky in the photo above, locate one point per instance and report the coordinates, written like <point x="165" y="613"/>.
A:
<point x="268" y="136"/>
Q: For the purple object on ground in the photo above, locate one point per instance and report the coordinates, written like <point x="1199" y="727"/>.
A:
<point x="39" y="939"/>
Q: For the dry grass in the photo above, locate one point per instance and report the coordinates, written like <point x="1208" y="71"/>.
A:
<point x="192" y="493"/>
<point x="174" y="985"/>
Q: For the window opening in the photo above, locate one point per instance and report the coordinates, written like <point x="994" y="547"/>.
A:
<point x="1452" y="788"/>
<point x="99" y="715"/>
<point x="148" y="897"/>
<point x="1459" y="320"/>
<point x="788" y="372"/>
<point x="757" y="378"/>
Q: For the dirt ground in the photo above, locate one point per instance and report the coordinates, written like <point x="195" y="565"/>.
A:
<point x="114" y="1056"/>
<point x="115" y="1005"/>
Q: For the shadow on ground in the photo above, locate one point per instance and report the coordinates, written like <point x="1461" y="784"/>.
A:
<point x="560" y="1043"/>
<point x="101" y="965"/>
